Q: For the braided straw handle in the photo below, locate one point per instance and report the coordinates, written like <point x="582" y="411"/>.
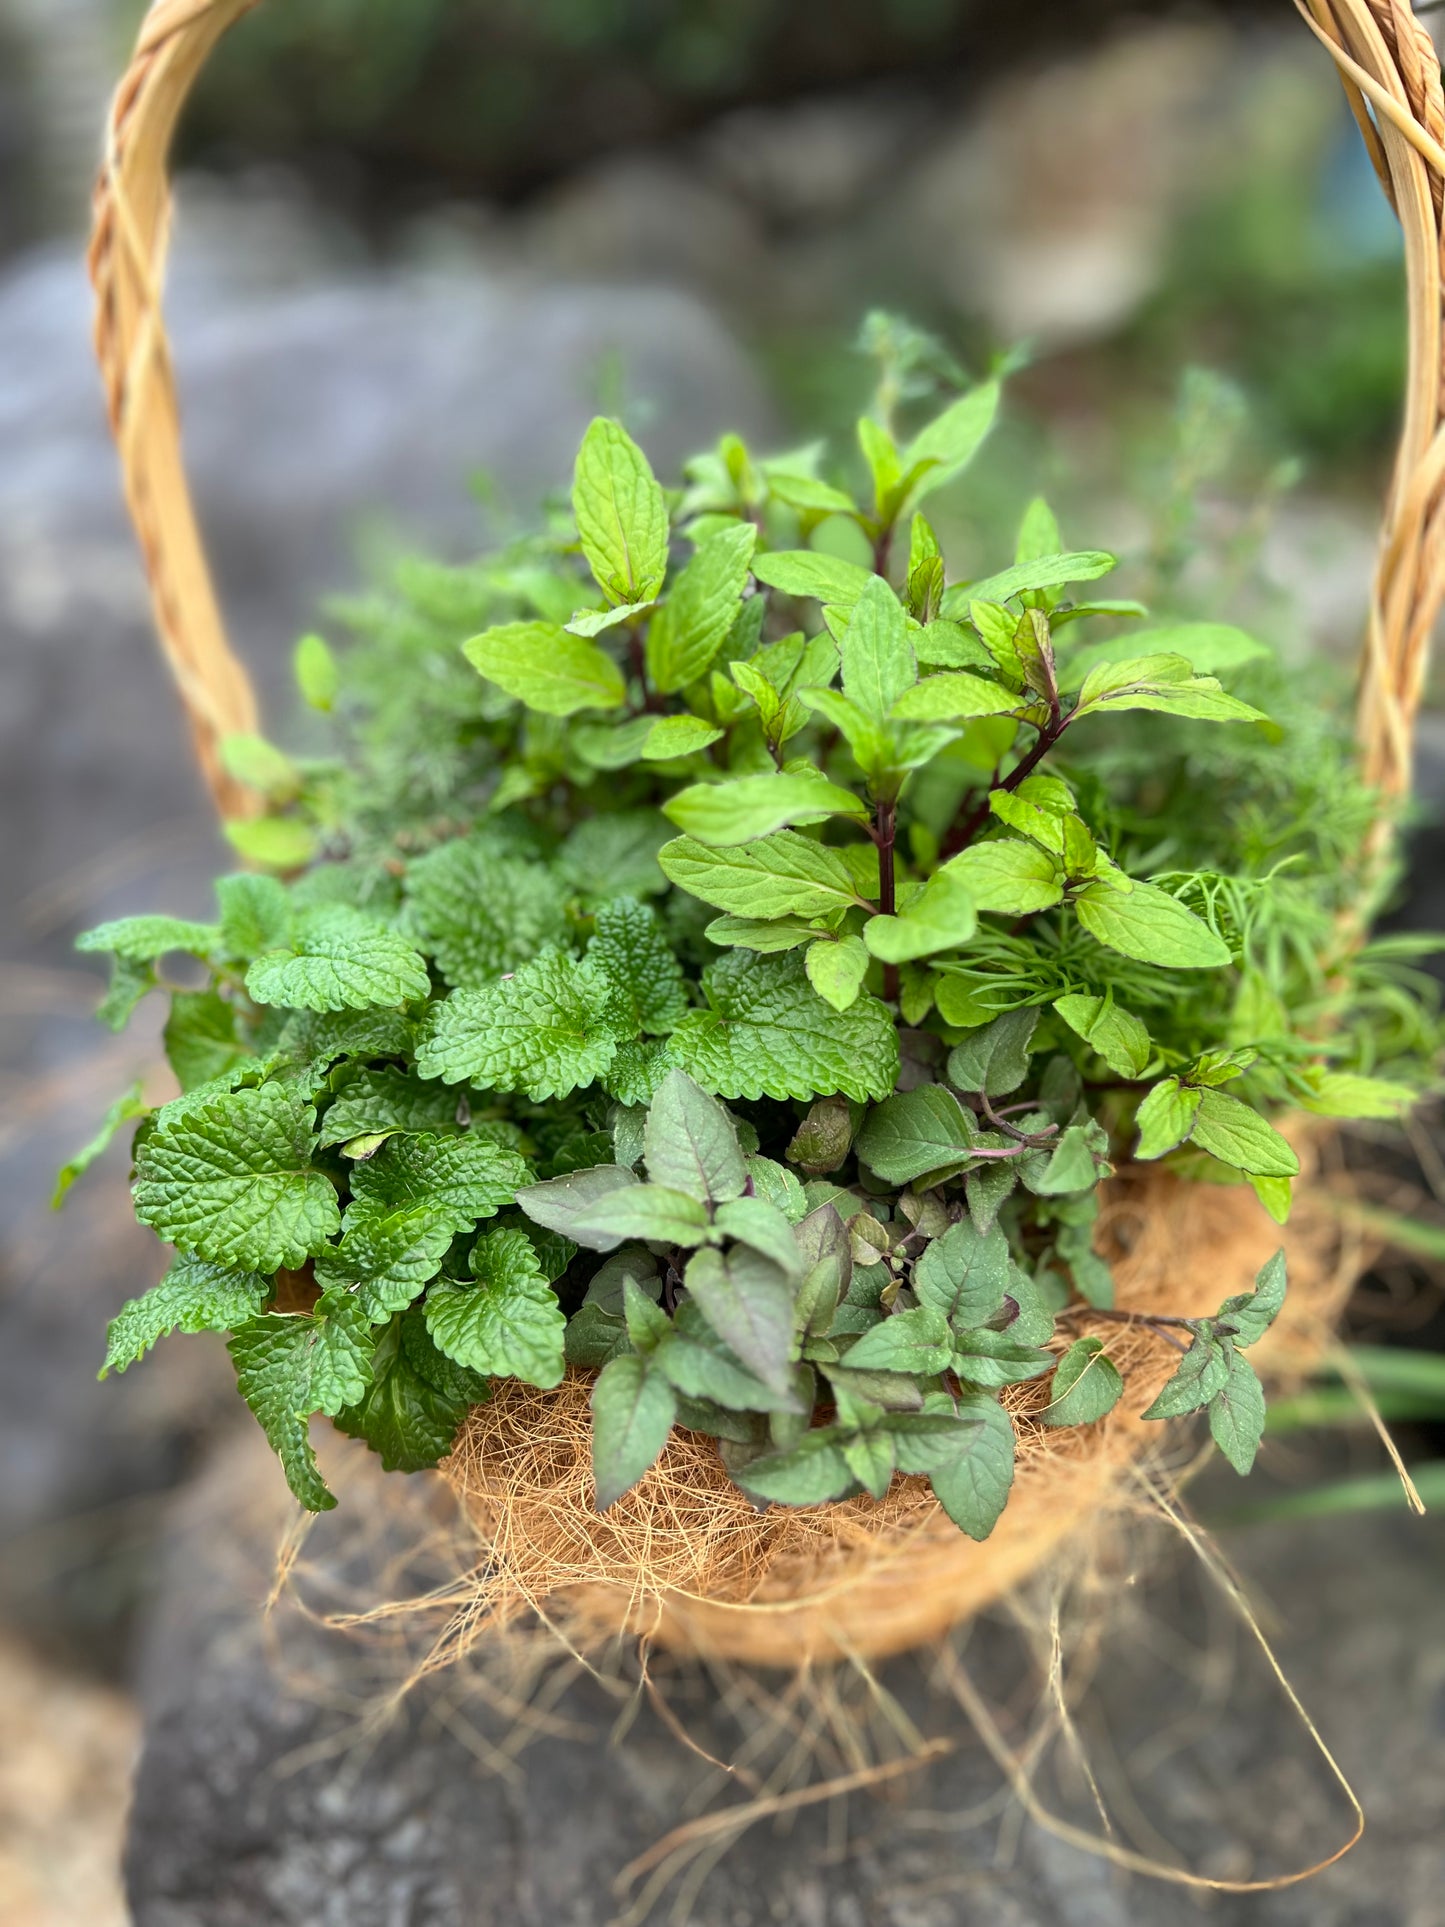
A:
<point x="1391" y="76"/>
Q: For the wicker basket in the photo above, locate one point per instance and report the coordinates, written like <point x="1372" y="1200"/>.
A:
<point x="856" y="1578"/>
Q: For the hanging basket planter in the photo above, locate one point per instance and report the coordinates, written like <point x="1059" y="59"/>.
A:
<point x="409" y="1271"/>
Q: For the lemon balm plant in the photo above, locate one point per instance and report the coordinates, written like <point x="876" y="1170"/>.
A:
<point x="731" y="970"/>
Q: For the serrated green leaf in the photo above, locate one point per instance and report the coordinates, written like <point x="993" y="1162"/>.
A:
<point x="272" y="1356"/>
<point x="1150" y="926"/>
<point x="621" y="514"/>
<point x="748" y="1302"/>
<point x="994" y="1060"/>
<point x="629" y="944"/>
<point x="144" y="939"/>
<point x="407" y="1421"/>
<point x="763" y="1228"/>
<point x="1237" y="1135"/>
<point x="808" y="1473"/>
<point x="748" y="807"/>
<point x="1251" y="1313"/>
<point x="255" y="914"/>
<point x="130" y="1104"/>
<point x="201" y="1037"/>
<point x="408" y="1203"/>
<point x="342" y="1344"/>
<point x="767" y="1032"/>
<point x="1203" y="1371"/>
<point x="386" y="1100"/>
<point x="1008" y="876"/>
<point x="479" y="913"/>
<point x="565" y="1205"/>
<point x="507" y="1324"/>
<point x="991" y="1359"/>
<point x="974" y="1487"/>
<point x="1165" y="1118"/>
<point x="1038" y="572"/>
<point x="230" y="1179"/>
<point x="915" y="1133"/>
<point x="691" y="1144"/>
<point x="964" y="1275"/>
<point x="807" y="573"/>
<point x="1209" y="647"/>
<point x="592" y="622"/>
<point x="945" y="447"/>
<point x="339" y="960"/>
<point x="940" y="917"/>
<point x="542" y="666"/>
<point x="1086" y="1385"/>
<point x="776" y="876"/>
<point x="954" y="696"/>
<point x="633" y="1407"/>
<point x="129" y="982"/>
<point x="836" y="967"/>
<point x="652" y="1212"/>
<point x="918" y="1342"/>
<point x="878" y="659"/>
<point x="1236" y="1414"/>
<point x="548" y="1029"/>
<point x="614" y="855"/>
<point x="192" y="1297"/>
<point x="694" y="622"/>
<point x="1071" y="1166"/>
<point x="1118" y="1036"/>
<point x="672" y="737"/>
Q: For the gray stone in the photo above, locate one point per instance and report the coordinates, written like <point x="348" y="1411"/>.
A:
<point x="258" y="1802"/>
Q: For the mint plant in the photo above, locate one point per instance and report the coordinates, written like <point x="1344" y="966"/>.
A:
<point x="726" y="957"/>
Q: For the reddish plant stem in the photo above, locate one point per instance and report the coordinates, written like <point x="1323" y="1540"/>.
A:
<point x="885" y="830"/>
<point x="1049" y="734"/>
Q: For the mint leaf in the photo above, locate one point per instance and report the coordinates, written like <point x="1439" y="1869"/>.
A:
<point x="748" y="1302"/>
<point x="339" y="959"/>
<point x="192" y="1297"/>
<point x="691" y="1143"/>
<point x="1071" y="1166"/>
<point x="939" y="917"/>
<point x="318" y="677"/>
<point x="994" y="1060"/>
<point x="1165" y="1118"/>
<point x="272" y="1356"/>
<point x="694" y="622"/>
<point x="1086" y="1385"/>
<point x="408" y="1203"/>
<point x="945" y="447"/>
<point x="621" y="514"/>
<point x="974" y="1487"/>
<point x="230" y="1179"/>
<point x="878" y="659"/>
<point x="1251" y="1313"/>
<point x="1211" y="647"/>
<point x="1008" y="876"/>
<point x="776" y="876"/>
<point x="652" y="1212"/>
<point x="1037" y="572"/>
<point x="1149" y="925"/>
<point x="918" y="1342"/>
<point x="342" y="1343"/>
<point x="566" y="1205"/>
<point x="200" y="1037"/>
<point x="129" y="982"/>
<point x="763" y="1228"/>
<point x="405" y="1419"/>
<point x="545" y="1031"/>
<point x="1203" y="1371"/>
<point x="671" y="737"/>
<point x="964" y="1275"/>
<point x="478" y="913"/>
<point x="767" y="1032"/>
<point x="592" y="622"/>
<point x="954" y="697"/>
<point x="255" y="914"/>
<point x="506" y="1325"/>
<point x="614" y="855"/>
<point x="633" y="1407"/>
<point x="992" y="1359"/>
<point x="144" y="939"/>
<point x="746" y="807"/>
<point x="130" y="1104"/>
<point x="808" y="573"/>
<point x="1118" y="1036"/>
<point x="1237" y="1135"/>
<point x="541" y="666"/>
<point x="369" y="1102"/>
<point x="836" y="967"/>
<point x="811" y="1472"/>
<point x="915" y="1133"/>
<point x="629" y="944"/>
<point x="1236" y="1414"/>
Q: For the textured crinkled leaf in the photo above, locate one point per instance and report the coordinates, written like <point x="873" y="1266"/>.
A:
<point x="974" y="1487"/>
<point x="776" y="876"/>
<point x="407" y="1421"/>
<point x="255" y="914"/>
<point x="836" y="967"/>
<point x="272" y="1356"/>
<point x="691" y="1143"/>
<point x="1232" y="1131"/>
<point x="748" y="1302"/>
<point x="1149" y="925"/>
<point x="1236" y="1414"/>
<point x="143" y="939"/>
<point x="1086" y="1385"/>
<point x="339" y="960"/>
<point x="544" y="667"/>
<point x="548" y="1029"/>
<point x="748" y="807"/>
<point x="614" y="855"/>
<point x="130" y="1104"/>
<point x="914" y="1133"/>
<point x="506" y="1325"/>
<point x="1009" y="876"/>
<point x="621" y="514"/>
<point x="342" y="1344"/>
<point x="629" y="944"/>
<point x="633" y="1407"/>
<point x="767" y="1032"/>
<point x="964" y="1274"/>
<point x="636" y="1071"/>
<point x="201" y="1037"/>
<point x="479" y="913"/>
<point x="229" y="1178"/>
<point x="386" y="1100"/>
<point x="192" y="1297"/>
<point x="694" y="622"/>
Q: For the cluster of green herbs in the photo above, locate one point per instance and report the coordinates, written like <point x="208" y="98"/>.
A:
<point x="834" y="896"/>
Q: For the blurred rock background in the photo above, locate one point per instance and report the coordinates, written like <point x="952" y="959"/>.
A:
<point x="420" y="244"/>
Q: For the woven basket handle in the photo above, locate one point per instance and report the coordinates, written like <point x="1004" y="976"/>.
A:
<point x="1391" y="76"/>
